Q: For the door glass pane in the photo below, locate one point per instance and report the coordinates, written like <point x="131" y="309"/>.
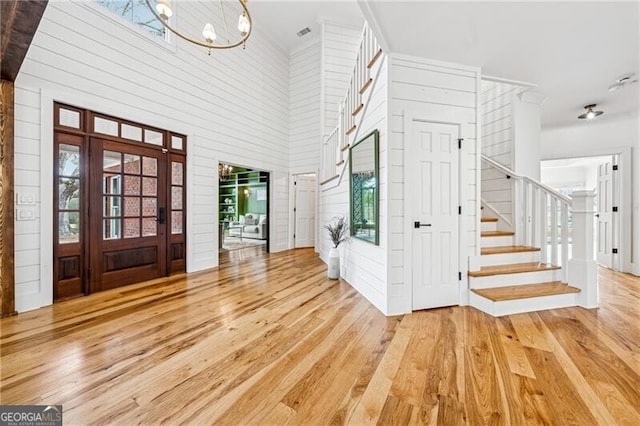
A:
<point x="131" y="228"/>
<point x="104" y="126"/>
<point x="176" y="197"/>
<point x="176" y="222"/>
<point x="69" y="227"/>
<point x="131" y="185"/>
<point x="152" y="137"/>
<point x="176" y="173"/>
<point x="149" y="207"/>
<point x="132" y="164"/>
<point x="112" y="162"/>
<point x="111" y="184"/>
<point x="68" y="160"/>
<point x="149" y="226"/>
<point x="131" y="206"/>
<point x="149" y="166"/>
<point x="176" y="142"/>
<point x="69" y="194"/>
<point x="112" y="207"/>
<point x="131" y="132"/>
<point x="111" y="229"/>
<point x="149" y="186"/>
<point x="69" y="118"/>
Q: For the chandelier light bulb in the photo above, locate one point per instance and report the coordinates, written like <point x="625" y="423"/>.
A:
<point x="164" y="9"/>
<point x="209" y="33"/>
<point x="243" y="24"/>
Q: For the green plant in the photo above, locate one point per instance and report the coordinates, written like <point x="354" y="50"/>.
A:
<point x="338" y="230"/>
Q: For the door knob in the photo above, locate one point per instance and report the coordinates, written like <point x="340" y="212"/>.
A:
<point x="417" y="224"/>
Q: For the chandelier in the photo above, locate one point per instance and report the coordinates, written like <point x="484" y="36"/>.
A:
<point x="224" y="171"/>
<point x="214" y="15"/>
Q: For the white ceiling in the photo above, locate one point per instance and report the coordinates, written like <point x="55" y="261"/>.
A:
<point x="571" y="50"/>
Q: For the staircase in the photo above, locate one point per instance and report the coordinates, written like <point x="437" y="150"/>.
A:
<point x="515" y="275"/>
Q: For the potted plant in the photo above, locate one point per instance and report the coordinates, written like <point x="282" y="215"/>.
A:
<point x="338" y="232"/>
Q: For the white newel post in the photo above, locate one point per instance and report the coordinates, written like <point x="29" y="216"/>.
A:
<point x="583" y="269"/>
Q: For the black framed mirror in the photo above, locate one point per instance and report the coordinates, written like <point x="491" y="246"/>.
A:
<point x="364" y="189"/>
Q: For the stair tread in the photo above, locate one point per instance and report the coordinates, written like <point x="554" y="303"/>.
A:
<point x="489" y="219"/>
<point x="496" y="234"/>
<point x="514" y="268"/>
<point x="525" y="291"/>
<point x="506" y="249"/>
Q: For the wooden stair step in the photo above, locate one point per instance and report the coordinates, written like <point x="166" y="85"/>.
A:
<point x="489" y="219"/>
<point x="365" y="86"/>
<point x="374" y="59"/>
<point x="351" y="130"/>
<point x="344" y="148"/>
<point x="496" y="234"/>
<point x="526" y="291"/>
<point x="514" y="268"/>
<point x="357" y="110"/>
<point x="340" y="163"/>
<point x="506" y="249"/>
<point x="329" y="179"/>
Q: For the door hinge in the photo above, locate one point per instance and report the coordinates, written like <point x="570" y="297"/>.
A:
<point x="615" y="167"/>
<point x="294" y="209"/>
<point x="459" y="209"/>
<point x="615" y="209"/>
<point x="460" y="143"/>
<point x="294" y="236"/>
<point x="614" y="251"/>
<point x="459" y="276"/>
<point x="295" y="182"/>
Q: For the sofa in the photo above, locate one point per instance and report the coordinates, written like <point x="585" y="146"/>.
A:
<point x="252" y="225"/>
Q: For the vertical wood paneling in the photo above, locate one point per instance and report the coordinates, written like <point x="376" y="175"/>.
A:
<point x="7" y="270"/>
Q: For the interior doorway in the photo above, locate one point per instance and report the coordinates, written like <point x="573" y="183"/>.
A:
<point x="304" y="210"/>
<point x="599" y="174"/>
<point x="243" y="206"/>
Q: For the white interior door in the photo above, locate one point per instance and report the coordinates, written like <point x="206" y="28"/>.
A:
<point x="305" y="211"/>
<point x="433" y="176"/>
<point x="605" y="227"/>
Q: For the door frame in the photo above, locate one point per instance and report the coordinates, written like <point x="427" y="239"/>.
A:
<point x="615" y="222"/>
<point x="409" y="206"/>
<point x="293" y="205"/>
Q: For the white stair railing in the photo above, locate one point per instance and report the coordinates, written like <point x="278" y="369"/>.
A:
<point x="351" y="106"/>
<point x="542" y="217"/>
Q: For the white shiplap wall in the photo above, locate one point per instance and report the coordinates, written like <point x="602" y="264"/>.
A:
<point x="304" y="107"/>
<point x="440" y="92"/>
<point x="233" y="105"/>
<point x="497" y="143"/>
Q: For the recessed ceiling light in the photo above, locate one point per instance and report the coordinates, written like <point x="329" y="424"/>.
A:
<point x="303" y="31"/>
<point x="590" y="114"/>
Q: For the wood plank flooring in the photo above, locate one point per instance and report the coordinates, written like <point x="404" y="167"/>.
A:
<point x="267" y="339"/>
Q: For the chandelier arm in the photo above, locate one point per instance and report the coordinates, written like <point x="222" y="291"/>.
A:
<point x="224" y="20"/>
<point x="198" y="42"/>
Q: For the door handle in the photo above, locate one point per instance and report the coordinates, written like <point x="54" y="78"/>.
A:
<point x="162" y="216"/>
<point x="597" y="215"/>
<point x="417" y="224"/>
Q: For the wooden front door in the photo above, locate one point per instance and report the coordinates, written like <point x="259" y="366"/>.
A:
<point x="129" y="214"/>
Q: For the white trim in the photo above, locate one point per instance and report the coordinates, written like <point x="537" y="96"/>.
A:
<point x="190" y="261"/>
<point x="508" y="81"/>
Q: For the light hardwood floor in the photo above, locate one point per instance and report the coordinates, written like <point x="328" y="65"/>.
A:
<point x="272" y="341"/>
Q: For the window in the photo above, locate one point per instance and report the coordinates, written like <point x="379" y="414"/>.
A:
<point x="136" y="11"/>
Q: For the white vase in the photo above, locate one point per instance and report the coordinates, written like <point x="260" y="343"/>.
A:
<point x="334" y="264"/>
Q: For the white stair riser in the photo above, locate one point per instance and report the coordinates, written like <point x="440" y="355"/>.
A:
<point x="531" y="304"/>
<point x="488" y="226"/>
<point x="509" y="258"/>
<point x="506" y="240"/>
<point x="493" y="281"/>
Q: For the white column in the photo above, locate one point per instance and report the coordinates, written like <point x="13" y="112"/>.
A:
<point x="583" y="269"/>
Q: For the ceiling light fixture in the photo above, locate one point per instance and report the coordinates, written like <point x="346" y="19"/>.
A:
<point x="590" y="114"/>
<point x="623" y="81"/>
<point x="217" y="15"/>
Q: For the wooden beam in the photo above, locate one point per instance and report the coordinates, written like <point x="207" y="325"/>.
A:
<point x="7" y="266"/>
<point x="19" y="22"/>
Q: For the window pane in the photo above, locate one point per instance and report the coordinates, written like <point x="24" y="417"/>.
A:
<point x="152" y="137"/>
<point x="149" y="206"/>
<point x="176" y="197"/>
<point x="69" y="118"/>
<point x="131" y="185"/>
<point x="131" y="206"/>
<point x="131" y="228"/>
<point x="131" y="132"/>
<point x="112" y="162"/>
<point x="69" y="194"/>
<point x="176" y="222"/>
<point x="111" y="206"/>
<point x="111" y="229"/>
<point x="149" y="186"/>
<point x="176" y="142"/>
<point x="149" y="226"/>
<point x="137" y="12"/>
<point x="176" y="173"/>
<point x="69" y="227"/>
<point x="132" y="164"/>
<point x="68" y="160"/>
<point x="111" y="184"/>
<point x="104" y="126"/>
<point x="149" y="166"/>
